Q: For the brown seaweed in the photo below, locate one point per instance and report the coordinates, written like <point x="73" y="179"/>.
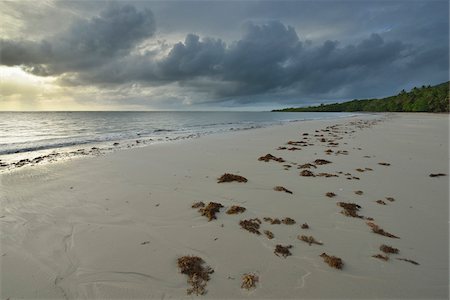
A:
<point x="332" y="261"/>
<point x="269" y="234"/>
<point x="437" y="174"/>
<point x="235" y="209"/>
<point x="330" y="194"/>
<point x="282" y="189"/>
<point x="251" y="225"/>
<point x="384" y="164"/>
<point x="307" y="166"/>
<point x="272" y="221"/>
<point x="309" y="239"/>
<point x="388" y="249"/>
<point x="305" y="226"/>
<point x="381" y="202"/>
<point x="409" y="260"/>
<point x="198" y="204"/>
<point x="322" y="162"/>
<point x="210" y="210"/>
<point x="288" y="221"/>
<point x="358" y="192"/>
<point x="198" y="275"/>
<point x="269" y="157"/>
<point x="227" y="177"/>
<point x="282" y="250"/>
<point x="390" y="199"/>
<point x="326" y="175"/>
<point x="381" y="256"/>
<point x="376" y="229"/>
<point x="307" y="173"/>
<point x="350" y="209"/>
<point x="249" y="281"/>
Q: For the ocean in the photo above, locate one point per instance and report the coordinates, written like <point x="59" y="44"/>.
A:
<point x="36" y="137"/>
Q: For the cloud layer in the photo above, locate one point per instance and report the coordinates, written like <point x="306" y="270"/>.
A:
<point x="120" y="47"/>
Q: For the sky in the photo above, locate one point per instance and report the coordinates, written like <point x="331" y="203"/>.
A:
<point x="216" y="55"/>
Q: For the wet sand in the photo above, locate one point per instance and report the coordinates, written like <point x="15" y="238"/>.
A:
<point x="114" y="226"/>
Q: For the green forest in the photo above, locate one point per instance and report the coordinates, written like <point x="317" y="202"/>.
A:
<point x="419" y="99"/>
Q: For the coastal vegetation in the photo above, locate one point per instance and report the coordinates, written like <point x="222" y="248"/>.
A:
<point x="420" y="99"/>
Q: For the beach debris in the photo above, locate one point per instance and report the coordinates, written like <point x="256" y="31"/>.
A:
<point x="327" y="175"/>
<point x="269" y="156"/>
<point x="282" y="189"/>
<point x="381" y="256"/>
<point x="384" y="164"/>
<point x="309" y="239"/>
<point x="307" y="166"/>
<point x="281" y="148"/>
<point x="249" y="281"/>
<point x="288" y="221"/>
<point x="322" y="162"/>
<point x="330" y="194"/>
<point x="235" y="209"/>
<point x="358" y="192"/>
<point x="390" y="199"/>
<point x="269" y="234"/>
<point x="307" y="173"/>
<point x="350" y="209"/>
<point x="272" y="221"/>
<point x="251" y="225"/>
<point x="294" y="149"/>
<point x="210" y="210"/>
<point x="388" y="249"/>
<point x="437" y="175"/>
<point x="282" y="250"/>
<point x="227" y="177"/>
<point x="198" y="275"/>
<point x="409" y="260"/>
<point x="376" y="229"/>
<point x="198" y="204"/>
<point x="360" y="170"/>
<point x="305" y="226"/>
<point x="381" y="202"/>
<point x="332" y="261"/>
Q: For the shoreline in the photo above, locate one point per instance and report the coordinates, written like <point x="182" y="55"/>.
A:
<point x="115" y="225"/>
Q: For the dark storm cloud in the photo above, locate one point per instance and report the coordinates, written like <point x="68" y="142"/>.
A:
<point x="358" y="49"/>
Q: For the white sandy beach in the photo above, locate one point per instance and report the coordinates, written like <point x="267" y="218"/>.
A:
<point x="113" y="226"/>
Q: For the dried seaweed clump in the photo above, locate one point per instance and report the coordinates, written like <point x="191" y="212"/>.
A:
<point x="198" y="275"/>
<point x="381" y="202"/>
<point x="249" y="281"/>
<point x="210" y="210"/>
<point x="272" y="221"/>
<point x="282" y="189"/>
<point x="288" y="221"/>
<point x="305" y="226"/>
<point x="359" y="192"/>
<point x="269" y="234"/>
<point x="390" y="199"/>
<point x="350" y="209"/>
<point x="307" y="166"/>
<point x="381" y="256"/>
<point x="309" y="239"/>
<point x="269" y="156"/>
<point x="235" y="209"/>
<point x="283" y="250"/>
<point x="384" y="164"/>
<point x="376" y="229"/>
<point x="437" y="175"/>
<point x="330" y="194"/>
<point x="227" y="177"/>
<point x="307" y="173"/>
<point x="322" y="162"/>
<point x="332" y="261"/>
<point x="198" y="204"/>
<point x="388" y="249"/>
<point x="251" y="225"/>
<point x="409" y="260"/>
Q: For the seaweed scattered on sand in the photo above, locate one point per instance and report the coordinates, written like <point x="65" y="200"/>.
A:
<point x="381" y="202"/>
<point x="368" y="169"/>
<point x="249" y="281"/>
<point x="388" y="249"/>
<point x="198" y="204"/>
<point x="294" y="149"/>
<point x="332" y="261"/>
<point x="269" y="157"/>
<point x="376" y="229"/>
<point x="305" y="134"/>
<point x="282" y="250"/>
<point x="307" y="166"/>
<point x="251" y="225"/>
<point x="309" y="239"/>
<point x="307" y="173"/>
<point x="235" y="209"/>
<point x="326" y="175"/>
<point x="322" y="162"/>
<point x="330" y="194"/>
<point x="282" y="189"/>
<point x="288" y="221"/>
<point x="305" y="226"/>
<point x="281" y="148"/>
<point x="381" y="256"/>
<point x="272" y="221"/>
<point x="390" y="199"/>
<point x="227" y="177"/>
<point x="360" y="170"/>
<point x="384" y="164"/>
<point x="358" y="192"/>
<point x="409" y="260"/>
<point x="437" y="175"/>
<point x="350" y="209"/>
<point x="269" y="234"/>
<point x="198" y="275"/>
<point x="210" y="210"/>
